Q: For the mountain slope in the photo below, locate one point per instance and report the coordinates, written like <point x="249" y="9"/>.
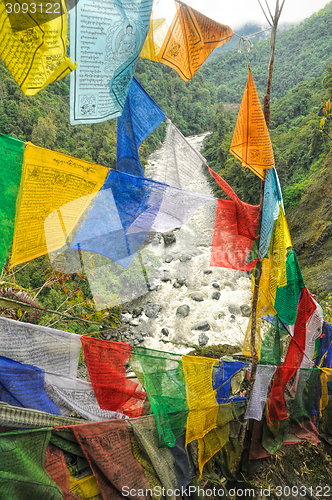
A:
<point x="302" y="53"/>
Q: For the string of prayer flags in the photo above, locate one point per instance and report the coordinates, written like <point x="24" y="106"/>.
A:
<point x="259" y="392"/>
<point x="251" y="142"/>
<point x="106" y="365"/>
<point x="34" y="50"/>
<point x="201" y="399"/>
<point x="110" y="37"/>
<point x="236" y="225"/>
<point x="165" y="386"/>
<point x="11" y="158"/>
<point x="271" y="202"/>
<point x="23" y="385"/>
<point x="22" y="466"/>
<point x="179" y="161"/>
<point x="139" y="118"/>
<point x="190" y="40"/>
<point x="50" y="180"/>
<point x="107" y="447"/>
<point x="76" y="395"/>
<point x="52" y="350"/>
<point x="293" y="359"/>
<point x="222" y="384"/>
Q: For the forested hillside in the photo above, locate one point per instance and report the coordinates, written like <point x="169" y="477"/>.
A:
<point x="301" y="54"/>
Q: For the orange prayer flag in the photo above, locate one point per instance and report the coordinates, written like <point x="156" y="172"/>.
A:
<point x="251" y="142"/>
<point x="190" y="40"/>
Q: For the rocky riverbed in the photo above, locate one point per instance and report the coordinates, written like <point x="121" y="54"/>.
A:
<point x="188" y="301"/>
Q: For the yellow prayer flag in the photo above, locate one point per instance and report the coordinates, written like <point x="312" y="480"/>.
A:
<point x="251" y="142"/>
<point x="215" y="439"/>
<point x="201" y="399"/>
<point x="35" y="56"/>
<point x="281" y="242"/>
<point x="154" y="39"/>
<point x="190" y="40"/>
<point x="49" y="181"/>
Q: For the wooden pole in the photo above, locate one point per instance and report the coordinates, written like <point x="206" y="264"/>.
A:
<point x="258" y="269"/>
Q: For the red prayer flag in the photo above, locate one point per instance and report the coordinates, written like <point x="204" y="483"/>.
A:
<point x="107" y="447"/>
<point x="235" y="231"/>
<point x="106" y="365"/>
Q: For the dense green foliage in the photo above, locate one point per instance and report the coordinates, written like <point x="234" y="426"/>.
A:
<point x="301" y="54"/>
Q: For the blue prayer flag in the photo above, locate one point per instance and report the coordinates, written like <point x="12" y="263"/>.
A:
<point x="23" y="386"/>
<point x="139" y="118"/>
<point x="272" y="200"/>
<point x="224" y="378"/>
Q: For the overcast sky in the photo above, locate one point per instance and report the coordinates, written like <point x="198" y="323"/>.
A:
<point x="236" y="13"/>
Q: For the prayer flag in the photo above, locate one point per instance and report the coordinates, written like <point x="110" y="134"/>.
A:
<point x="201" y="398"/>
<point x="271" y="202"/>
<point x="236" y="225"/>
<point x="106" y="365"/>
<point x="190" y="40"/>
<point x="33" y="50"/>
<point x="146" y="435"/>
<point x="107" y="447"/>
<point x="11" y="158"/>
<point x="106" y="42"/>
<point x="51" y="350"/>
<point x="49" y="181"/>
<point x="22" y="466"/>
<point x="251" y="142"/>
<point x="154" y="39"/>
<point x="165" y="386"/>
<point x="23" y="385"/>
<point x="179" y="161"/>
<point x="222" y="385"/>
<point x="12" y="416"/>
<point x="325" y="356"/>
<point x="139" y="118"/>
<point x="257" y="401"/>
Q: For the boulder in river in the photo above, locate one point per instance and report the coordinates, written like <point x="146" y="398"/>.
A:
<point x="216" y="286"/>
<point x="165" y="331"/>
<point x="152" y="310"/>
<point x="216" y="295"/>
<point x="203" y="326"/>
<point x="183" y="311"/>
<point x="197" y="296"/>
<point x="203" y="339"/>
<point x="245" y="310"/>
<point x="169" y="238"/>
<point x="234" y="309"/>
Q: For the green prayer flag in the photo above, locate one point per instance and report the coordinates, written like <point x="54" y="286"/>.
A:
<point x="11" y="158"/>
<point x="287" y="296"/>
<point x="22" y="466"/>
